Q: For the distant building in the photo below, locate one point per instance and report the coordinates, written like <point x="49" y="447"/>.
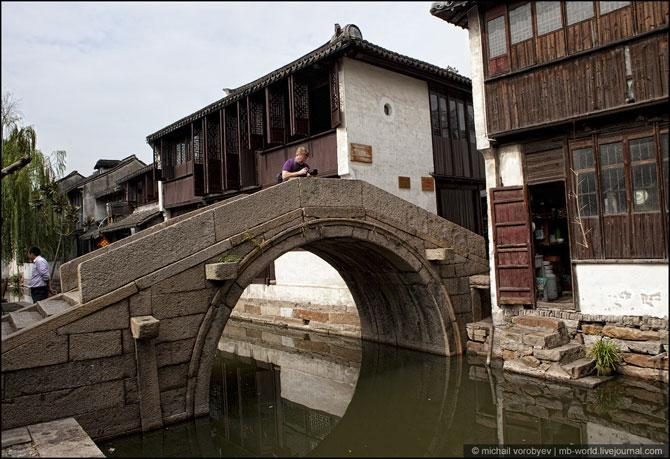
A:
<point x="570" y="103"/>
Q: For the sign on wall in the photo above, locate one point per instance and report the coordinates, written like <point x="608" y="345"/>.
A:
<point x="360" y="153"/>
<point x="427" y="184"/>
<point x="404" y="183"/>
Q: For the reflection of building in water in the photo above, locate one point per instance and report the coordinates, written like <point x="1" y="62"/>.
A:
<point x="531" y="411"/>
<point x="282" y="394"/>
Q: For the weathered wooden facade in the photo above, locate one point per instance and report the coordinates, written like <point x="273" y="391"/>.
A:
<point x="239" y="143"/>
<point x="570" y="107"/>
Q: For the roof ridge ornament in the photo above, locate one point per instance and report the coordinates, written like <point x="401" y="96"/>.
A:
<point x="348" y="32"/>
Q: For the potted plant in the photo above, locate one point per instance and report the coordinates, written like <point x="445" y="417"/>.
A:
<point x="606" y="355"/>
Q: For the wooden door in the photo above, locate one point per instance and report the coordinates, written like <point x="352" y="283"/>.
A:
<point x="513" y="251"/>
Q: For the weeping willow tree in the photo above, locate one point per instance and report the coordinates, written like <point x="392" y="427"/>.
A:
<point x="34" y="212"/>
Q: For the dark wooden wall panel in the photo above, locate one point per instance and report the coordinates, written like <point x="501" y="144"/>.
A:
<point x="567" y="89"/>
<point x="650" y="15"/>
<point x="545" y="166"/>
<point x="581" y="36"/>
<point x="442" y="157"/>
<point x="522" y="54"/>
<point x="616" y="24"/>
<point x="617" y="232"/>
<point x="647" y="230"/>
<point x="550" y="46"/>
<point x="178" y="191"/>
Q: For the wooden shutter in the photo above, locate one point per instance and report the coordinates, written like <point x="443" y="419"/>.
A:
<point x="335" y="114"/>
<point x="513" y="252"/>
<point x="545" y="166"/>
<point x="256" y="111"/>
<point x="198" y="158"/>
<point x="247" y="156"/>
<point x="213" y="154"/>
<point x="298" y="97"/>
<point x="274" y="105"/>
<point x="232" y="148"/>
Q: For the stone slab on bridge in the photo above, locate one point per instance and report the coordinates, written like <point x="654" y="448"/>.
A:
<point x="86" y="361"/>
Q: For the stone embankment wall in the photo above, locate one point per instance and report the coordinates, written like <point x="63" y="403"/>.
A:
<point x="624" y="411"/>
<point x="643" y="340"/>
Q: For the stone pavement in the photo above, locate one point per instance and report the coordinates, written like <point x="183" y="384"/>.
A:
<point x="60" y="438"/>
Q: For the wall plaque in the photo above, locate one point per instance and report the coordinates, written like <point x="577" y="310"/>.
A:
<point x="403" y="183"/>
<point x="427" y="184"/>
<point x="360" y="153"/>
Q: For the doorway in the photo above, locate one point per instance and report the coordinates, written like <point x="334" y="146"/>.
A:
<point x="551" y="245"/>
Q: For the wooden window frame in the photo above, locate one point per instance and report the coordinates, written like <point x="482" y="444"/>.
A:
<point x="562" y="21"/>
<point x="501" y="63"/>
<point x="600" y="13"/>
<point x="532" y="22"/>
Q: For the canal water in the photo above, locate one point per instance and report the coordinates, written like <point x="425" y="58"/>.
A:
<point x="280" y="392"/>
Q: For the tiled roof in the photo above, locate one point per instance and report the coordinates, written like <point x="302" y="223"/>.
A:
<point x="138" y="172"/>
<point x="456" y="11"/>
<point x="132" y="220"/>
<point x="330" y="49"/>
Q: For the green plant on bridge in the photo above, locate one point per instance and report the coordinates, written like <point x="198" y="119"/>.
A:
<point x="607" y="356"/>
<point x="230" y="258"/>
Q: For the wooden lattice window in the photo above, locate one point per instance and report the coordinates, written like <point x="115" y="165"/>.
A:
<point x="578" y="11"/>
<point x="608" y="7"/>
<point x="664" y="159"/>
<point x="548" y="17"/>
<point x="520" y="24"/>
<point x="497" y="38"/>
<point x="453" y="119"/>
<point x="612" y="178"/>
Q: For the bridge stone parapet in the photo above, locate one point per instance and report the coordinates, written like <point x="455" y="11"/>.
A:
<point x="95" y="369"/>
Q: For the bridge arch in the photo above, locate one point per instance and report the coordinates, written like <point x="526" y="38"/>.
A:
<point x="400" y="298"/>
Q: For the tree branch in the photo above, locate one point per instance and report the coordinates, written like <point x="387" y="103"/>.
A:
<point x="15" y="166"/>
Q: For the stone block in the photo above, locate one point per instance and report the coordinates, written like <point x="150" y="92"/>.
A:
<point x="51" y="349"/>
<point x="644" y="347"/>
<point x="174" y="352"/>
<point x="130" y="388"/>
<point x="46" y="406"/>
<point x="179" y="328"/>
<point x="173" y="402"/>
<point x="531" y="361"/>
<point x="140" y="303"/>
<point x="68" y="375"/>
<point x="473" y="347"/>
<point x="310" y="315"/>
<point x="144" y="327"/>
<point x="518" y="366"/>
<point x="94" y="345"/>
<point x="252" y="309"/>
<point x="172" y="376"/>
<point x="255" y="209"/>
<point x="128" y="341"/>
<point x="658" y="362"/>
<point x="221" y="271"/>
<point x="556" y="372"/>
<point x="63" y="438"/>
<point x="112" y="317"/>
<point x="16" y="436"/>
<point x="651" y="374"/>
<point x="145" y="255"/>
<point x="580" y="367"/>
<point x="563" y="354"/>
<point x="183" y="279"/>
<point x="538" y="322"/>
<point x="350" y="318"/>
<point x="545" y="340"/>
<point x="630" y="334"/>
<point x="439" y="254"/>
<point x="326" y="192"/>
<point x="177" y="304"/>
<point x="334" y="212"/>
<point x="111" y="422"/>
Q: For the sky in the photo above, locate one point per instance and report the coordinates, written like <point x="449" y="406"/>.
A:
<point x="95" y="78"/>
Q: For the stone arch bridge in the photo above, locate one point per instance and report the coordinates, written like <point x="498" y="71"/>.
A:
<point x="129" y="346"/>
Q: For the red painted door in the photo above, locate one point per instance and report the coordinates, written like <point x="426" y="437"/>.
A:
<point x="513" y="251"/>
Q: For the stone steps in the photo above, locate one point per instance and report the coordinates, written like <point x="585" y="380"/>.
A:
<point x="562" y="354"/>
<point x="35" y="313"/>
<point x="580" y="368"/>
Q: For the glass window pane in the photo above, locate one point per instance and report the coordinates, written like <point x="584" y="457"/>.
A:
<point x="611" y="153"/>
<point x="641" y="149"/>
<point x="645" y="188"/>
<point x="664" y="157"/>
<point x="444" y="124"/>
<point x="606" y="7"/>
<point x="471" y="124"/>
<point x="461" y="119"/>
<point x="578" y="11"/>
<point x="548" y="16"/>
<point x="520" y="25"/>
<point x="583" y="158"/>
<point x="497" y="38"/>
<point x="434" y="115"/>
<point x="453" y="120"/>
<point x="587" y="199"/>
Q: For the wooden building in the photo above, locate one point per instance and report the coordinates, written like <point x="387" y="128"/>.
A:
<point x="362" y="111"/>
<point x="570" y="103"/>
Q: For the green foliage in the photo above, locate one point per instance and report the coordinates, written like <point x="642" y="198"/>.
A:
<point x="34" y="212"/>
<point x="606" y="354"/>
<point x="15" y="285"/>
<point x="230" y="258"/>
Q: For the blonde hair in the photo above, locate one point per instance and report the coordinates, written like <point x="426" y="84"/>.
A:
<point x="303" y="150"/>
